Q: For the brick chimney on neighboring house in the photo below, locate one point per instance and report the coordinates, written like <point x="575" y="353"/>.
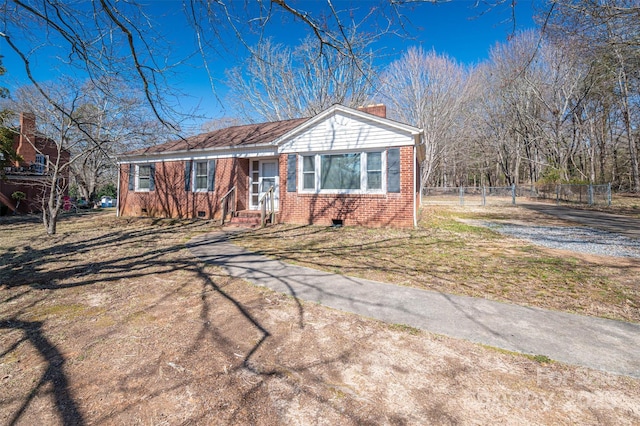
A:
<point x="27" y="138"/>
<point x="377" y="109"/>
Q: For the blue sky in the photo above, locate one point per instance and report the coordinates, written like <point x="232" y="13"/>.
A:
<point x="456" y="28"/>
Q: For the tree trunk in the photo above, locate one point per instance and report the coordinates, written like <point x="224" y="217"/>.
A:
<point x="623" y="83"/>
<point x="51" y="205"/>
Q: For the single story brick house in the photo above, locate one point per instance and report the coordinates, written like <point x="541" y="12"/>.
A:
<point x="343" y="166"/>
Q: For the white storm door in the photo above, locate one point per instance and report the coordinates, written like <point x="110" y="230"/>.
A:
<point x="269" y="178"/>
<point x="264" y="174"/>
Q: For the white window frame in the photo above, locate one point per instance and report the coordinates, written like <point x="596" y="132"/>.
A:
<point x="194" y="181"/>
<point x="314" y="173"/>
<point x="382" y="170"/>
<point x="364" y="189"/>
<point x="137" y="178"/>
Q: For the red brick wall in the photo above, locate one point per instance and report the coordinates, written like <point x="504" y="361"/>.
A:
<point x="391" y="209"/>
<point x="169" y="199"/>
<point x="34" y="186"/>
<point x="25" y="141"/>
<point x="33" y="189"/>
<point x="378" y="109"/>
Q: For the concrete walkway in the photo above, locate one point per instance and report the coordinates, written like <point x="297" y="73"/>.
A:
<point x="618" y="224"/>
<point x="602" y="344"/>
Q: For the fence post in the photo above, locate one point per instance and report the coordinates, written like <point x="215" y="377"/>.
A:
<point x="484" y="195"/>
<point x="609" y="194"/>
<point x="557" y="193"/>
<point x="590" y="195"/>
<point x="462" y="196"/>
<point x="513" y="194"/>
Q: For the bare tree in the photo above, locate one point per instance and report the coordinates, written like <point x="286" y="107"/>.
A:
<point x="103" y="129"/>
<point x="530" y="113"/>
<point x="608" y="33"/>
<point x="85" y="131"/>
<point x="279" y="83"/>
<point x="427" y="90"/>
<point x="54" y="129"/>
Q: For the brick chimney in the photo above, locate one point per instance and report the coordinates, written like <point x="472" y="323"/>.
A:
<point x="376" y="109"/>
<point x="27" y="138"/>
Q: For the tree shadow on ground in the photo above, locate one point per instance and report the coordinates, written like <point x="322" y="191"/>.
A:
<point x="68" y="262"/>
<point x="54" y="375"/>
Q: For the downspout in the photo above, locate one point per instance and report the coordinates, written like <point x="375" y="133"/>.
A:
<point x="118" y="191"/>
<point x="415" y="213"/>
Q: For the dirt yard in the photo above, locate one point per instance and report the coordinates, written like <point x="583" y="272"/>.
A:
<point x="113" y="321"/>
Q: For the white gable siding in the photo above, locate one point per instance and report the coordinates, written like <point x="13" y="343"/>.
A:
<point x="342" y="132"/>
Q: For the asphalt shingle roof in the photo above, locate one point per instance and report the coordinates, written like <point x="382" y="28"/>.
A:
<point x="235" y="136"/>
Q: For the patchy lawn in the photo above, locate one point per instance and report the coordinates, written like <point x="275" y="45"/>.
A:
<point x="450" y="256"/>
<point x="113" y="321"/>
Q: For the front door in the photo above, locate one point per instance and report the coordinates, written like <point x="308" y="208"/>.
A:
<point x="264" y="175"/>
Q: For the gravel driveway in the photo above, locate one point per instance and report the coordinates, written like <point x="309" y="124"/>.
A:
<point x="576" y="238"/>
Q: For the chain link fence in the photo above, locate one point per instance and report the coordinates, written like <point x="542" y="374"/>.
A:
<point x="505" y="195"/>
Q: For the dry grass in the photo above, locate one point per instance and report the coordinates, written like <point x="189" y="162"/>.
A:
<point x="448" y="255"/>
<point x="113" y="321"/>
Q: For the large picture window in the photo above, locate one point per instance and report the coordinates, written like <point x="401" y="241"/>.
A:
<point x="354" y="172"/>
<point x="340" y="171"/>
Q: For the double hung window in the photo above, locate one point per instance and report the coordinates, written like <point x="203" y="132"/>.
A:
<point x="200" y="182"/>
<point x="144" y="177"/>
<point x="199" y="176"/>
<point x="374" y="170"/>
<point x="309" y="172"/>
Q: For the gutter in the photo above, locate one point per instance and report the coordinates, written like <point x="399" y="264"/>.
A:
<point x="187" y="154"/>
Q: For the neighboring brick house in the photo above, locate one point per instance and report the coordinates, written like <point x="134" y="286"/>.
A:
<point x="347" y="166"/>
<point x="31" y="174"/>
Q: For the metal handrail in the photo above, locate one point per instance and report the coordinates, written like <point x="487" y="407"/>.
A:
<point x="263" y="206"/>
<point x="224" y="204"/>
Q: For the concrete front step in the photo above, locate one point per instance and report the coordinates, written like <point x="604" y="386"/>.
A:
<point x="248" y="214"/>
<point x="246" y="218"/>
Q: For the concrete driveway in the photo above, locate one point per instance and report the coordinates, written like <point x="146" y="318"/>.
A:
<point x="597" y="343"/>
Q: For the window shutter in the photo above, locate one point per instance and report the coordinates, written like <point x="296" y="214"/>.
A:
<point x="187" y="176"/>
<point x="292" y="164"/>
<point x="132" y="177"/>
<point x="211" y="175"/>
<point x="393" y="170"/>
<point x="152" y="177"/>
